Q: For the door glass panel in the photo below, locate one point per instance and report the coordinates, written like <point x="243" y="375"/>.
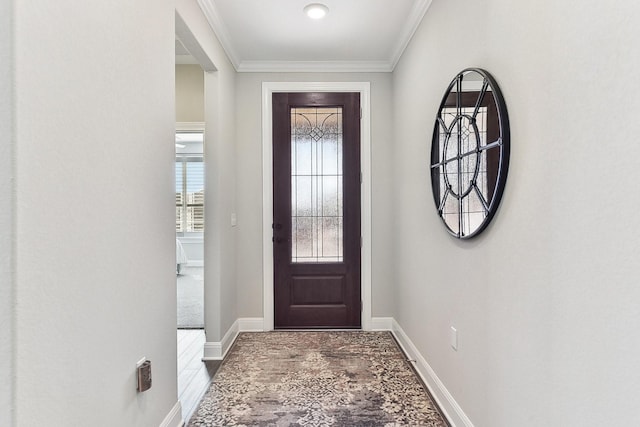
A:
<point x="316" y="185"/>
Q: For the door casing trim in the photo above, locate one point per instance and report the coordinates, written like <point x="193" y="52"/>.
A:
<point x="268" y="88"/>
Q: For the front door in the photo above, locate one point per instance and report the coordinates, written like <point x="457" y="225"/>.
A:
<point x="316" y="212"/>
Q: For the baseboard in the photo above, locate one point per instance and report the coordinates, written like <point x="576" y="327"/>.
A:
<point x="217" y="350"/>
<point x="443" y="398"/>
<point x="174" y="418"/>
<point x="251" y="324"/>
<point x="212" y="351"/>
<point x="382" y="323"/>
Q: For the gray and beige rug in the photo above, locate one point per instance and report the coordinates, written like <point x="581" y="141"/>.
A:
<point x="316" y="379"/>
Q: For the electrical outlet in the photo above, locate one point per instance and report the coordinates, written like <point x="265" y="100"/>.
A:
<point x="454" y="338"/>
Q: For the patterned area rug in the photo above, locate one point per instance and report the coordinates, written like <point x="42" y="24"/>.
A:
<point x="316" y="379"/>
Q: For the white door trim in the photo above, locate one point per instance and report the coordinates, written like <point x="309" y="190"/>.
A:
<point x="268" y="88"/>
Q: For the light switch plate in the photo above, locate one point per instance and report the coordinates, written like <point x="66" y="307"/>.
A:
<point x="454" y="338"/>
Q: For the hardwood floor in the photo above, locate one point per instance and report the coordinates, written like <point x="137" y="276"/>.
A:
<point x="194" y="375"/>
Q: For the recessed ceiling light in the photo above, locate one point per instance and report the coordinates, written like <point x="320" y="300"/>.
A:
<point x="316" y="10"/>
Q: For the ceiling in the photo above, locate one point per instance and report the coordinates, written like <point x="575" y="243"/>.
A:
<point x="275" y="35"/>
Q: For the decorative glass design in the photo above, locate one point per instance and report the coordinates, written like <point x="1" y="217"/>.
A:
<point x="464" y="176"/>
<point x="316" y="185"/>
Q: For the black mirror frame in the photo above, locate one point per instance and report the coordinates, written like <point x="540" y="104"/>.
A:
<point x="503" y="164"/>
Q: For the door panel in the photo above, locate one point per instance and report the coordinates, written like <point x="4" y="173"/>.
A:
<point x="307" y="290"/>
<point x="316" y="185"/>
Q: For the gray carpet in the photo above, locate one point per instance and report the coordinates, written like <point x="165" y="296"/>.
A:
<point x="190" y="297"/>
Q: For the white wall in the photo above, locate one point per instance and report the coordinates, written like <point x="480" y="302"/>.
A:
<point x="220" y="164"/>
<point x="249" y="128"/>
<point x="95" y="136"/>
<point x="6" y="214"/>
<point x="546" y="300"/>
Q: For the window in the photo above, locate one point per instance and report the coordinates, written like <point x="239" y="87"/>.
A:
<point x="317" y="227"/>
<point x="189" y="182"/>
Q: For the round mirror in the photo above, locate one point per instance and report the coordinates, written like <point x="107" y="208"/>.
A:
<point x="470" y="153"/>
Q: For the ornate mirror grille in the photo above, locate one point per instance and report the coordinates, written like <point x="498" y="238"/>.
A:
<point x="470" y="153"/>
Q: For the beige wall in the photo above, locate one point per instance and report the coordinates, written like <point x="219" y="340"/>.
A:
<point x="546" y="299"/>
<point x="94" y="166"/>
<point x="189" y="93"/>
<point x="249" y="152"/>
<point x="7" y="220"/>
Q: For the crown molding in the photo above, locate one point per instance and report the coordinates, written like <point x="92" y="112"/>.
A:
<point x="314" y="66"/>
<point x="220" y="30"/>
<point x="420" y="8"/>
<point x="418" y="11"/>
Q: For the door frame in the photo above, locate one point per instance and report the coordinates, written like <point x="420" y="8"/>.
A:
<point x="268" y="88"/>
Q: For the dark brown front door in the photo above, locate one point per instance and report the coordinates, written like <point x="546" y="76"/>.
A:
<point x="316" y="212"/>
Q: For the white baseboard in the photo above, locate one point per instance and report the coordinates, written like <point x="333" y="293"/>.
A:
<point x="382" y="323"/>
<point x="174" y="418"/>
<point x="251" y="324"/>
<point x="443" y="398"/>
<point x="212" y="351"/>
<point x="217" y="350"/>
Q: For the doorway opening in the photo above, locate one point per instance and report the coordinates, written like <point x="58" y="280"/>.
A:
<point x="194" y="66"/>
<point x="190" y="181"/>
<point x="190" y="226"/>
<point x="190" y="170"/>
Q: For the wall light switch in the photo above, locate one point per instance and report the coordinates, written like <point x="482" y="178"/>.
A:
<point x="454" y="338"/>
<point x="234" y="219"/>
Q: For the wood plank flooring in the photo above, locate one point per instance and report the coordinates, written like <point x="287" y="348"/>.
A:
<point x="194" y="375"/>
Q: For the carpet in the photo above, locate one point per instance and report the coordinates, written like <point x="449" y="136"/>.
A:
<point x="190" y="295"/>
<point x="316" y="379"/>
